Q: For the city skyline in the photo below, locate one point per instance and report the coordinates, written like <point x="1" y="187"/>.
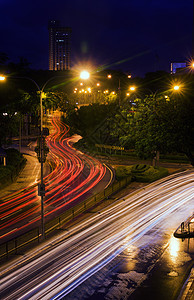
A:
<point x="137" y="37"/>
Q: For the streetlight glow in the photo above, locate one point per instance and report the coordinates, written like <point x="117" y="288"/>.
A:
<point x="176" y="87"/>
<point x="132" y="88"/>
<point x="2" y="78"/>
<point x="84" y="75"/>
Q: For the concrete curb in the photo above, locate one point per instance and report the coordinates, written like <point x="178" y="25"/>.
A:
<point x="187" y="292"/>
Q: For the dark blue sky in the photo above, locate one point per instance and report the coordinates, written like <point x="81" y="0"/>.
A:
<point x="138" y="36"/>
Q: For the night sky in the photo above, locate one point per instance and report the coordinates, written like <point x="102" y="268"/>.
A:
<point x="136" y="36"/>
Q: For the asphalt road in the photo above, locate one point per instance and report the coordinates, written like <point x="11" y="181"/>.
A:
<point x="96" y="246"/>
<point x="74" y="177"/>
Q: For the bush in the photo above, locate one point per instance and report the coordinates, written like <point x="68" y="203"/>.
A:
<point x="5" y="175"/>
<point x="15" y="162"/>
<point x="150" y="174"/>
<point x="123" y="171"/>
<point x="141" y="173"/>
<point x="138" y="169"/>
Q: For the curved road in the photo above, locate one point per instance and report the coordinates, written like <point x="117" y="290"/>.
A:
<point x="59" y="267"/>
<point x="75" y="176"/>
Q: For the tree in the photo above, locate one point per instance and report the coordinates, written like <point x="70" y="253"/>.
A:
<point x="165" y="126"/>
<point x="3" y="58"/>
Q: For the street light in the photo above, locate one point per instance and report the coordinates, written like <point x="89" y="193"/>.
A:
<point x="2" y="78"/>
<point x="41" y="186"/>
<point x="109" y="76"/>
<point x="84" y="75"/>
<point x="176" y="87"/>
<point x="132" y="88"/>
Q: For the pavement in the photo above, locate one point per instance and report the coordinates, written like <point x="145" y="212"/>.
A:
<point x="187" y="292"/>
<point x="30" y="175"/>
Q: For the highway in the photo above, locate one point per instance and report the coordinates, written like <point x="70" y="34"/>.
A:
<point x="53" y="271"/>
<point x="74" y="176"/>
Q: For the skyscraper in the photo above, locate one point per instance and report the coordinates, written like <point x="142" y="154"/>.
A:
<point x="59" y="46"/>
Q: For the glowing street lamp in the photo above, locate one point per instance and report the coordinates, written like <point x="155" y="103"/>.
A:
<point x="191" y="64"/>
<point x="2" y="78"/>
<point x="132" y="88"/>
<point x="176" y="87"/>
<point x="41" y="185"/>
<point x="84" y="75"/>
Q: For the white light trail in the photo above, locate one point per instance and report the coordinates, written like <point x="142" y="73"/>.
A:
<point x="95" y="242"/>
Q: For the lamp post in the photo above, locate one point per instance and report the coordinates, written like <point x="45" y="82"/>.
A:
<point x="84" y="75"/>
<point x="41" y="186"/>
<point x="109" y="76"/>
<point x="119" y="78"/>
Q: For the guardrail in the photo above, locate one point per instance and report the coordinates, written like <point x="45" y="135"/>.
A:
<point x="33" y="236"/>
<point x="186" y="229"/>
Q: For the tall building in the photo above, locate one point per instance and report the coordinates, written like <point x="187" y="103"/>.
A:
<point x="59" y="46"/>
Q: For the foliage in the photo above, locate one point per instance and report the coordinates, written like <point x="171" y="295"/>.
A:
<point x="14" y="157"/>
<point x="59" y="100"/>
<point x="87" y="119"/>
<point x="5" y="175"/>
<point x="123" y="171"/>
<point x="141" y="173"/>
<point x="165" y="126"/>
<point x="9" y="126"/>
<point x="15" y="162"/>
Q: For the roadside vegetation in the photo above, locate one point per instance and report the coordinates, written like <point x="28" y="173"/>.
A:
<point x="15" y="163"/>
<point x="153" y="121"/>
<point x="140" y="172"/>
<point x="149" y="127"/>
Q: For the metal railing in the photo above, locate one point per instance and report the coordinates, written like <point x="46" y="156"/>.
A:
<point x="34" y="236"/>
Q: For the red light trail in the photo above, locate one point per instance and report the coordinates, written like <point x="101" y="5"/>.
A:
<point x="74" y="175"/>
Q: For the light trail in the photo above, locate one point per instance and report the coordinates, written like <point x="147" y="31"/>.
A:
<point x="73" y="176"/>
<point x="90" y="245"/>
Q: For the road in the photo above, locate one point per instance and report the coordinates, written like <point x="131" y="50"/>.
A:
<point x="74" y="176"/>
<point x="55" y="270"/>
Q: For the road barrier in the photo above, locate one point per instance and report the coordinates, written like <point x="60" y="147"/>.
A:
<point x="34" y="236"/>
<point x="186" y="229"/>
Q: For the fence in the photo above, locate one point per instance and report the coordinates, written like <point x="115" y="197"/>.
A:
<point x="12" y="246"/>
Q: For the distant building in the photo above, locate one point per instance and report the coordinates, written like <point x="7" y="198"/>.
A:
<point x="59" y="46"/>
<point x="176" y="67"/>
